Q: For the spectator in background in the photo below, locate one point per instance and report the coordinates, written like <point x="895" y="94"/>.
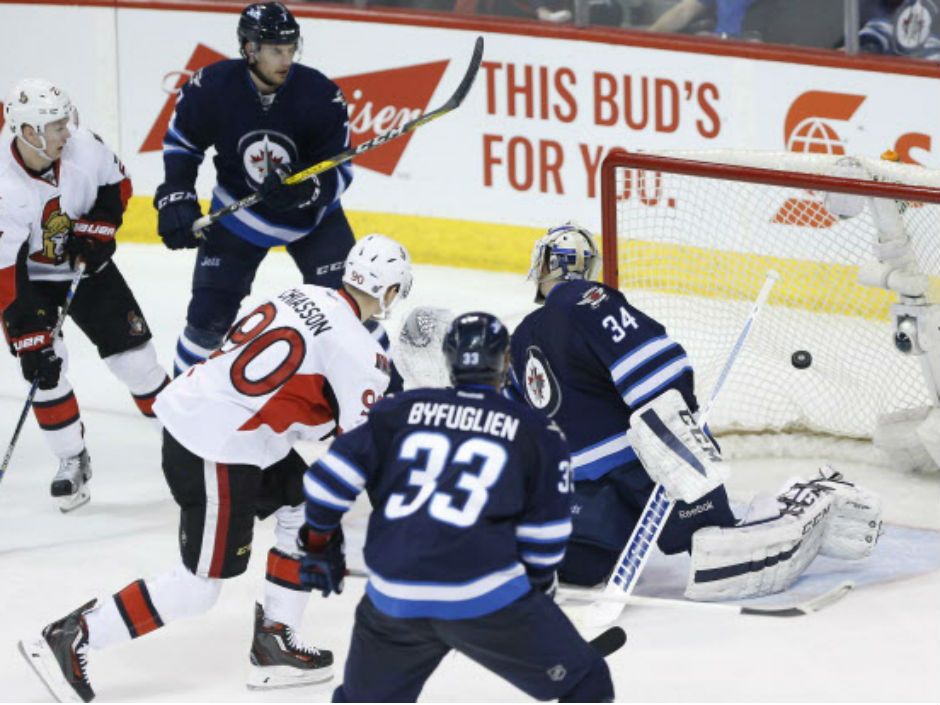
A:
<point x="599" y="12"/>
<point x="728" y="16"/>
<point x="902" y="28"/>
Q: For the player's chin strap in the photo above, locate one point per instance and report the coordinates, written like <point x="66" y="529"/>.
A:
<point x="41" y="149"/>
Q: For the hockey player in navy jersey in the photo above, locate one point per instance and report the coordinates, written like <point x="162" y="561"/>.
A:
<point x="265" y="115"/>
<point x="621" y="389"/>
<point x="471" y="514"/>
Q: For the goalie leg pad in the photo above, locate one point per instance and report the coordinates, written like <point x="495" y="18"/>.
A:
<point x="910" y="438"/>
<point x="764" y="556"/>
<point x="674" y="450"/>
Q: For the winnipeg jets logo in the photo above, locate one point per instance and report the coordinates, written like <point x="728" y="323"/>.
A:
<point x="263" y="151"/>
<point x="593" y="297"/>
<point x="541" y="387"/>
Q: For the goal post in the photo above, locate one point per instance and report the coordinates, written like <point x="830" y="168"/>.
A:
<point x="690" y="236"/>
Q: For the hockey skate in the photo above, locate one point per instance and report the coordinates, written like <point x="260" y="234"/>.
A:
<point x="280" y="660"/>
<point x="59" y="657"/>
<point x="71" y="482"/>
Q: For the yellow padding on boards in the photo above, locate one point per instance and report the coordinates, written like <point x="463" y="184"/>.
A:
<point x="804" y="284"/>
<point x="441" y="241"/>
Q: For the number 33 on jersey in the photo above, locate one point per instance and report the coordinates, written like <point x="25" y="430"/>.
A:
<point x="296" y="368"/>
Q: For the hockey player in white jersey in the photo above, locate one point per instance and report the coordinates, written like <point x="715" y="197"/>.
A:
<point x="301" y="366"/>
<point x="62" y="197"/>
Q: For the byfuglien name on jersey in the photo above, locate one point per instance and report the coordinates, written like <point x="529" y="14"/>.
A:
<point x="464" y="418"/>
<point x="308" y="311"/>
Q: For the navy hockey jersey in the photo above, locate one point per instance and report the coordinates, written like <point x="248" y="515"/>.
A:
<point x="471" y="497"/>
<point x="587" y="358"/>
<point x="303" y="122"/>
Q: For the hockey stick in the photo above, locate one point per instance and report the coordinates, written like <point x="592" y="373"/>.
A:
<point x="452" y="104"/>
<point x="814" y="604"/>
<point x="633" y="558"/>
<point x="73" y="286"/>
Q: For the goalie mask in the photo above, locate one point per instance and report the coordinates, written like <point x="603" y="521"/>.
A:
<point x="36" y="102"/>
<point x="564" y="253"/>
<point x="476" y="347"/>
<point x="374" y="265"/>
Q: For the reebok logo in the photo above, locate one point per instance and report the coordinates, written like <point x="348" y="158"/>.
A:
<point x="377" y="102"/>
<point x="696" y="510"/>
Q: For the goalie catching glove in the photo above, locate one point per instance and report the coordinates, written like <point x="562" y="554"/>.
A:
<point x="674" y="450"/>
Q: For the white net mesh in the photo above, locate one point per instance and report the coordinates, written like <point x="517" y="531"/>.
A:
<point x="694" y="251"/>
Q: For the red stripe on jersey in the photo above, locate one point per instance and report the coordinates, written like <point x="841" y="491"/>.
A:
<point x="7" y="286"/>
<point x="300" y="400"/>
<point x="221" y="525"/>
<point x="134" y="604"/>
<point x="56" y="413"/>
<point x="283" y="570"/>
<point x="127" y="190"/>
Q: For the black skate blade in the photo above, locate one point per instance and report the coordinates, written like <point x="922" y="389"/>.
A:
<point x="609" y="641"/>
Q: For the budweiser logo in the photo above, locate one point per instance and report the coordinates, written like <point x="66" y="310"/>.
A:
<point x="377" y="102"/>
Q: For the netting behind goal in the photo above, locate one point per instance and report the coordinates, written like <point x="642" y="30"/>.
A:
<point x="690" y="237"/>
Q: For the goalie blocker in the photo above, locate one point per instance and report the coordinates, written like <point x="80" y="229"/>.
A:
<point x="779" y="537"/>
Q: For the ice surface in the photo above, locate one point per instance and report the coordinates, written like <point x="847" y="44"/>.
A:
<point x="881" y="643"/>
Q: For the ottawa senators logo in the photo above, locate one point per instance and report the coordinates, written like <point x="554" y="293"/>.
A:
<point x="136" y="324"/>
<point x="56" y="226"/>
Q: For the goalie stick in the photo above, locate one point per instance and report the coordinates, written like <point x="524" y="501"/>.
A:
<point x="452" y="104"/>
<point x="656" y="513"/>
<point x="799" y="609"/>
<point x="73" y="286"/>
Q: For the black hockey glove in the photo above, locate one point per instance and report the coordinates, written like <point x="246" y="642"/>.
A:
<point x="323" y="565"/>
<point x="93" y="241"/>
<point x="177" y="210"/>
<point x="282" y="197"/>
<point x="547" y="584"/>
<point x="37" y="357"/>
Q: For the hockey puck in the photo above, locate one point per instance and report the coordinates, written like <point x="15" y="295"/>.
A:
<point x="801" y="359"/>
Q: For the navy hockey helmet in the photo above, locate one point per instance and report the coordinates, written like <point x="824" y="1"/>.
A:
<point x="267" y="23"/>
<point x="476" y="349"/>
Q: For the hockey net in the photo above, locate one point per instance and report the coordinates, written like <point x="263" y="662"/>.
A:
<point x="690" y="236"/>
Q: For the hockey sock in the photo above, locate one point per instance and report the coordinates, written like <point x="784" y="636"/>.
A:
<point x="57" y="413"/>
<point x="146" y="605"/>
<point x="139" y="370"/>
<point x="284" y="597"/>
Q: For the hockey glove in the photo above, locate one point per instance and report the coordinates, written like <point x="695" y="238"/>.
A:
<point x="284" y="197"/>
<point x="177" y="210"/>
<point x="93" y="241"/>
<point x="37" y="358"/>
<point x="323" y="563"/>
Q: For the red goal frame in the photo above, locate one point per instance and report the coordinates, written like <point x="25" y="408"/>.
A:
<point x="658" y="163"/>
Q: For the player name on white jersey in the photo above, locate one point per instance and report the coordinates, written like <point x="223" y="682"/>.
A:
<point x="464" y="418"/>
<point x="307" y="311"/>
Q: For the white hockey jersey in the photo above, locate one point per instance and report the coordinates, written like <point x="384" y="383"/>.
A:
<point x="296" y="368"/>
<point x="41" y="209"/>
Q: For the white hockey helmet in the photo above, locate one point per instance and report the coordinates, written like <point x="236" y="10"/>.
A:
<point x="374" y="265"/>
<point x="564" y="253"/>
<point x="36" y="102"/>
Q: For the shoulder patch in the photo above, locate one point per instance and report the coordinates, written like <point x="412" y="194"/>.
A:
<point x="593" y="297"/>
<point x="541" y="386"/>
